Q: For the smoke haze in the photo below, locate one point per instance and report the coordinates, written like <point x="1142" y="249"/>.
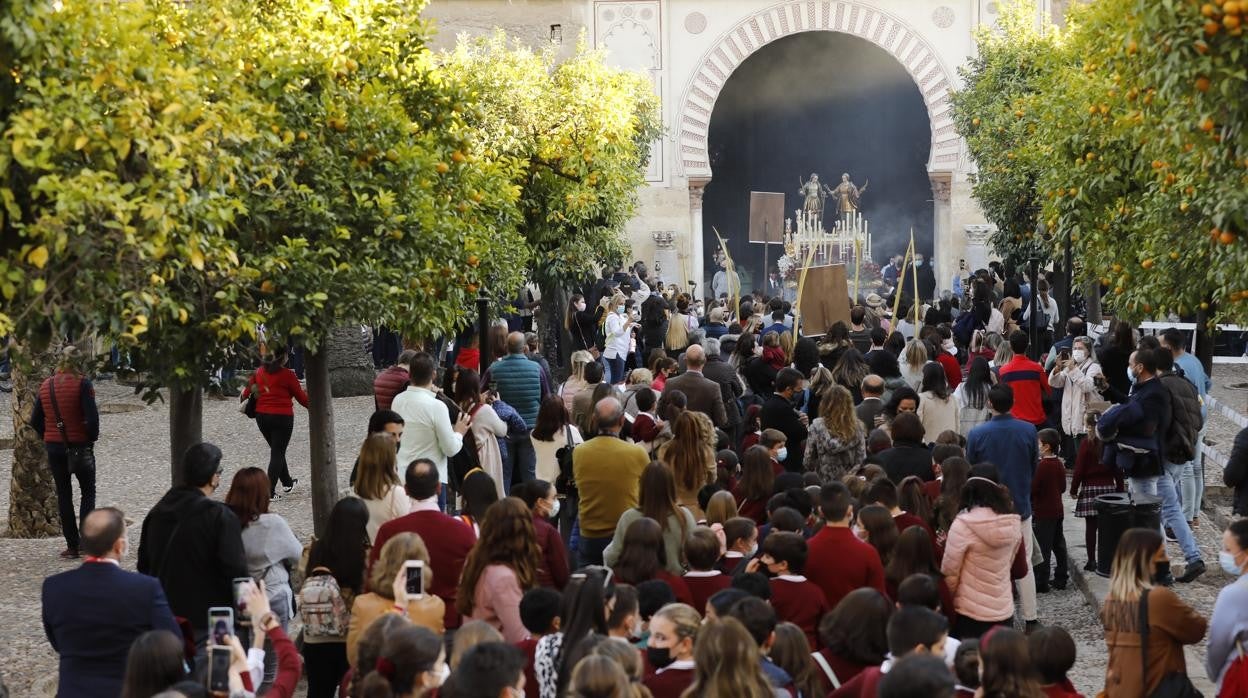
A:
<point x="820" y="102"/>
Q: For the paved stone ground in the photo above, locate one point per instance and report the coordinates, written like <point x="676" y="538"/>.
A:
<point x="134" y="473"/>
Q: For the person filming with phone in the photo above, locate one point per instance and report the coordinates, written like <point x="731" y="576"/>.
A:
<point x="93" y="614"/>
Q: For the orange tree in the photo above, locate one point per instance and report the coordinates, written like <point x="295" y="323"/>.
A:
<point x="574" y="137"/>
<point x="381" y="206"/>
<point x="999" y="111"/>
<point x="1161" y="172"/>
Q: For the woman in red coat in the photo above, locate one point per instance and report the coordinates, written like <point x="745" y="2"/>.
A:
<point x="275" y="387"/>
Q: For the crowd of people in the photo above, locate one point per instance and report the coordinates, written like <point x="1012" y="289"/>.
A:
<point x="711" y="504"/>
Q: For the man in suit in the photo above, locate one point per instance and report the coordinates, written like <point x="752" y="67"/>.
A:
<point x="447" y="538"/>
<point x="725" y="376"/>
<point x="193" y="544"/>
<point x="704" y="394"/>
<point x="778" y="413"/>
<point x="872" y="401"/>
<point x="92" y="614"/>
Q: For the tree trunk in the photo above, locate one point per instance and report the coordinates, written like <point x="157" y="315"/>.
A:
<point x="321" y="438"/>
<point x="555" y="342"/>
<point x="186" y="426"/>
<point x="32" y="492"/>
<point x="1092" y="296"/>
<point x="350" y="367"/>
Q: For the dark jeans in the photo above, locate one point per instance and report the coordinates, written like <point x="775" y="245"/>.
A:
<point x="521" y="463"/>
<point x="1052" y="540"/>
<point x="276" y="430"/>
<point x="325" y="664"/>
<point x="966" y="628"/>
<point x="591" y="550"/>
<point x="58" y="462"/>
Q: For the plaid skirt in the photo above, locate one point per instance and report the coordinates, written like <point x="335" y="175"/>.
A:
<point x="1087" y="496"/>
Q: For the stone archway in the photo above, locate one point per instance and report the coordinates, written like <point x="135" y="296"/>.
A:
<point x="884" y="29"/>
<point x="881" y="28"/>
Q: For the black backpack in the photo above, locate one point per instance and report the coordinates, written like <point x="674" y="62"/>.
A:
<point x="459" y="465"/>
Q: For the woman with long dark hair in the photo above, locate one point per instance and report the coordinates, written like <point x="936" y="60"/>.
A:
<point x="1006" y="668"/>
<point x="410" y="663"/>
<point x="938" y="409"/>
<point x="500" y="568"/>
<point x="653" y="323"/>
<point x="978" y="554"/>
<point x="542" y="499"/>
<point x="341" y="552"/>
<point x="478" y="492"/>
<point x="582" y="324"/>
<point x="756" y="484"/>
<point x="877" y="528"/>
<point x="726" y="663"/>
<point x="487" y="428"/>
<point x="1116" y="355"/>
<point x="849" y="371"/>
<point x="913" y="554"/>
<point x="835" y="342"/>
<point x="791" y="651"/>
<point x="972" y="395"/>
<point x="275" y="387"/>
<point x="643" y="556"/>
<point x="583" y="615"/>
<point x="853" y="636"/>
<point x="657" y="501"/>
<point x="156" y="661"/>
<point x="1171" y="623"/>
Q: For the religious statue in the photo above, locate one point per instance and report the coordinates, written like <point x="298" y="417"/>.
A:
<point x="814" y="193"/>
<point x="847" y="195"/>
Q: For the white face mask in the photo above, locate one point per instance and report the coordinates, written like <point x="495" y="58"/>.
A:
<point x="554" y="510"/>
<point x="619" y="309"/>
<point x="444" y="673"/>
<point x="1227" y="560"/>
<point x="580" y="305"/>
<point x="753" y="550"/>
<point x="1079" y="355"/>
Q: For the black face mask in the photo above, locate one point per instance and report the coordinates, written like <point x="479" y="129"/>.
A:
<point x="659" y="657"/>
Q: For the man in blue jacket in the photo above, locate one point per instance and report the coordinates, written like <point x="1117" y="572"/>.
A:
<point x="1010" y="444"/>
<point x="522" y="384"/>
<point x="93" y="613"/>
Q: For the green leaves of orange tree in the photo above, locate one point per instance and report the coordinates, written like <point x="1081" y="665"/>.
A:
<point x="574" y="136"/>
<point x="1143" y="157"/>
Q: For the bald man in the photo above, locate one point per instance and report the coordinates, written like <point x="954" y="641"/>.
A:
<point x="704" y="395"/>
<point x="93" y="614"/>
<point x="607" y="470"/>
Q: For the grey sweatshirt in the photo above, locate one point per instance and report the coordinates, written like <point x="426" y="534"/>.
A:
<point x="1229" y="623"/>
<point x="272" y="550"/>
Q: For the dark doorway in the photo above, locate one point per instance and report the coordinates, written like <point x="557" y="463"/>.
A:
<point x="820" y="102"/>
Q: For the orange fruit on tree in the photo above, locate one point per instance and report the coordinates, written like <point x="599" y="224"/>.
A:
<point x="442" y="168"/>
<point x="1201" y="47"/>
<point x="1202" y="83"/>
<point x="1208" y="10"/>
<point x="1211" y="28"/>
<point x="1174" y="256"/>
<point x="1207" y="124"/>
<point x="1227" y="237"/>
<point x="1147" y="264"/>
<point x="1231" y="7"/>
<point x="1231" y="22"/>
<point x="457" y="156"/>
<point x="1132" y="47"/>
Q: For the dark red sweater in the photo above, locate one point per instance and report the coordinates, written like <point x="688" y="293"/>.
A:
<point x="553" y="571"/>
<point x="703" y="588"/>
<point x="529" y="647"/>
<point x="387" y="384"/>
<point x="679" y="589"/>
<point x="839" y="563"/>
<point x="801" y="603"/>
<point x="755" y="509"/>
<point x="1047" y="487"/>
<point x="1089" y="470"/>
<point x="843" y="668"/>
<point x="644" y="429"/>
<point x="864" y="685"/>
<point x="274" y="391"/>
<point x="729" y="565"/>
<point x="669" y="683"/>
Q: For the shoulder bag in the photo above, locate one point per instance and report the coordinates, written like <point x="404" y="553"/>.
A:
<point x="1174" y="684"/>
<point x="78" y="457"/>
<point x="565" y="483"/>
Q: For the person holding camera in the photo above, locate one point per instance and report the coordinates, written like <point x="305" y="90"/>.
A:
<point x="1075" y="373"/>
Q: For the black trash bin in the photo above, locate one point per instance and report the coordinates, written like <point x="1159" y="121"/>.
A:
<point x="1117" y="512"/>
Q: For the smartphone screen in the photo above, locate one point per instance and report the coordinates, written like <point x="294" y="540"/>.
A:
<point x="219" y="670"/>
<point x="221" y="623"/>
<point x="415" y="577"/>
<point x="242" y="586"/>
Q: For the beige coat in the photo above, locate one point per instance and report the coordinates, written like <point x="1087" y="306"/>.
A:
<point x="1078" y="386"/>
<point x="426" y="612"/>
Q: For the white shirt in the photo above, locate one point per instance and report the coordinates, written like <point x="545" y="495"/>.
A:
<point x="547" y="464"/>
<point x="394" y="504"/>
<point x="617" y="336"/>
<point x="427" y="430"/>
<point x="1050" y="308"/>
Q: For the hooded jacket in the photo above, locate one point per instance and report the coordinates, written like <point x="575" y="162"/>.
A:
<point x="194" y="546"/>
<point x="976" y="564"/>
<point x="1180" y="440"/>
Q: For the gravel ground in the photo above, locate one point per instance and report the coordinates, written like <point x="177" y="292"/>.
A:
<point x="133" y="474"/>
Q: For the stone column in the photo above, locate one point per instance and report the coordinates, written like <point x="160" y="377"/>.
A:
<point x="696" y="271"/>
<point x="978" y="253"/>
<point x="945" y="249"/>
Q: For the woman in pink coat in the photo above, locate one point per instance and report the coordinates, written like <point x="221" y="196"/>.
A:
<point x="982" y="542"/>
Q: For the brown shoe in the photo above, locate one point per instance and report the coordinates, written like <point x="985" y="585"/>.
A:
<point x="69" y="554"/>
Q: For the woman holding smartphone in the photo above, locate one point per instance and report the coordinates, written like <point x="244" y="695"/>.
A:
<point x="420" y="608"/>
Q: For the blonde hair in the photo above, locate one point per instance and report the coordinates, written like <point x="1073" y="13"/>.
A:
<point x="771" y="339"/>
<point x="684" y="617"/>
<point x="725" y="661"/>
<point x="639" y="376"/>
<point x="687" y="454"/>
<point x="1005" y="354"/>
<point x="786" y="344"/>
<point x="721" y="507"/>
<point x="915" y="354"/>
<point x="624" y="654"/>
<point x="836" y="409"/>
<point x="1132" y="571"/>
<point x="579" y="360"/>
<point x="376" y="474"/>
<point x="469" y="635"/>
<point x="396" y="551"/>
<point x="598" y="676"/>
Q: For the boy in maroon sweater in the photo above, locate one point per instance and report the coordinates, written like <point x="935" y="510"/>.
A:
<point x="1046" y="505"/>
<point x="703" y="580"/>
<point x="539" y="611"/>
<point x="795" y="599"/>
<point x="911" y="631"/>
